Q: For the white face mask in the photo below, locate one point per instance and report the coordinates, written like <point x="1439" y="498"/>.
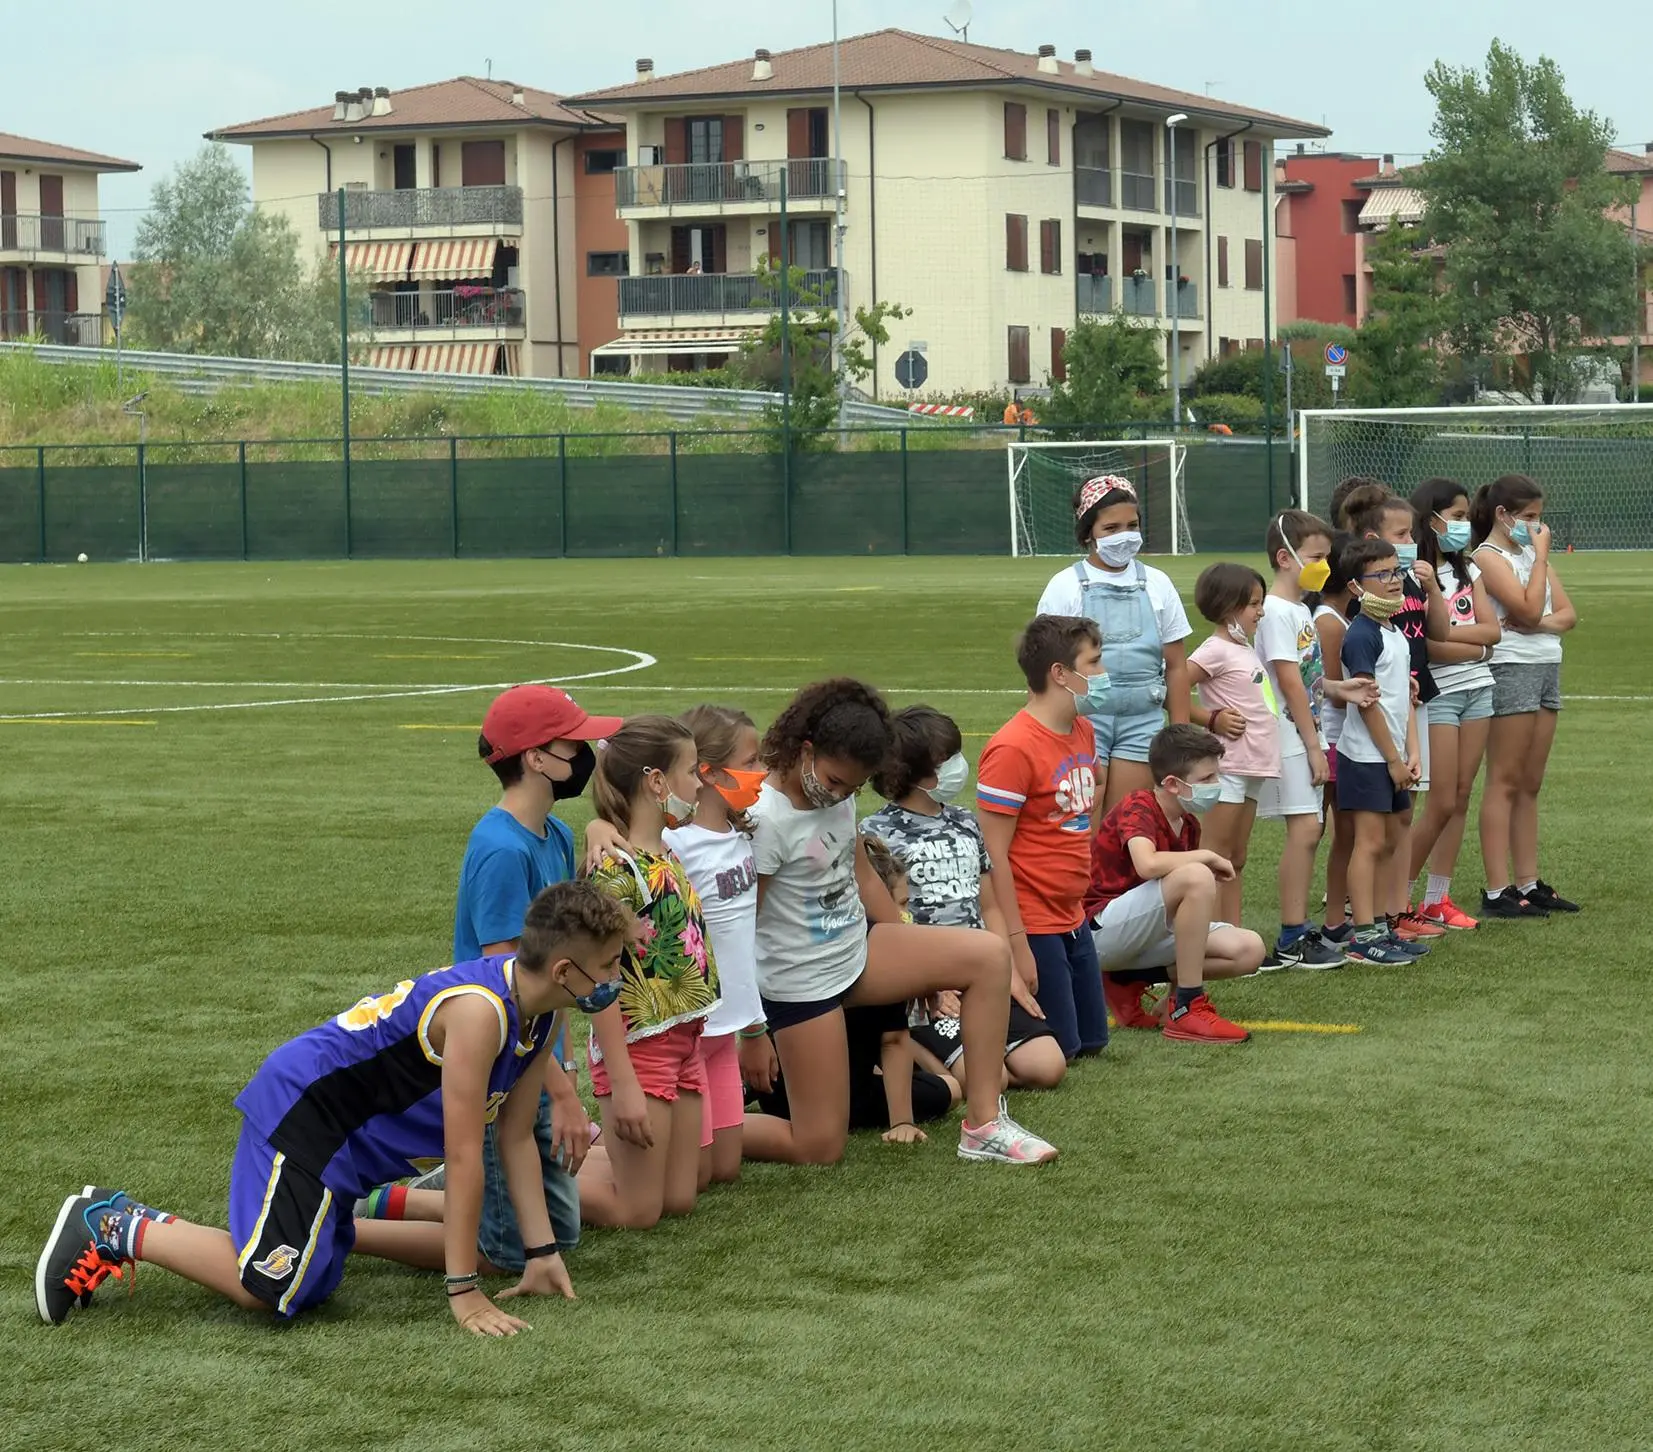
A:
<point x="1118" y="550"/>
<point x="951" y="776"/>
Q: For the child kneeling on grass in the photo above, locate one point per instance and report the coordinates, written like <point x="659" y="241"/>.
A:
<point x="1153" y="896"/>
<point x="414" y="1074"/>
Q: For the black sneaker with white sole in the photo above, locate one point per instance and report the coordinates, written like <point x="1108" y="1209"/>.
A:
<point x="66" y="1270"/>
<point x="1510" y="905"/>
<point x="1546" y="897"/>
<point x="1316" y="953"/>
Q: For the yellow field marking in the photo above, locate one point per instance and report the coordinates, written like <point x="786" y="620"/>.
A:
<point x="68" y="721"/>
<point x="485" y="655"/>
<point x="1287" y="1026"/>
<point x="138" y="654"/>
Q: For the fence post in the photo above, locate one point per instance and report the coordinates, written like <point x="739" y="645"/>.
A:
<point x="786" y="491"/>
<point x="40" y="490"/>
<point x="143" y="504"/>
<point x="906" y="528"/>
<point x="453" y="491"/>
<point x="672" y="438"/>
<point x="347" y="498"/>
<point x="562" y="505"/>
<point x="241" y="458"/>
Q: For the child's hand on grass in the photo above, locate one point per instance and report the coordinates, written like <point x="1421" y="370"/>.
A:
<point x="481" y="1317"/>
<point x="905" y="1134"/>
<point x="544" y="1276"/>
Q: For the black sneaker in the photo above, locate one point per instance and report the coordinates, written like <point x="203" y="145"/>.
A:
<point x="1510" y="904"/>
<point x="68" y="1265"/>
<point x="1315" y="952"/>
<point x="1283" y="955"/>
<point x="1546" y="897"/>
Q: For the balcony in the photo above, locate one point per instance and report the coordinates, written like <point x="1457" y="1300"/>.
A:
<point x="1138" y="191"/>
<point x="1095" y="293"/>
<point x="1188" y="299"/>
<point x="1141" y="298"/>
<point x="71" y="330"/>
<point x="710" y="296"/>
<point x="456" y="312"/>
<point x="484" y="209"/>
<point x="1187" y="197"/>
<point x="720" y="186"/>
<point x="1094" y="186"/>
<point x="69" y="237"/>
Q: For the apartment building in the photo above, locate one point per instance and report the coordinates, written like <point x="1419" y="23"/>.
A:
<point x="469" y="204"/>
<point x="53" y="245"/>
<point x="1001" y="195"/>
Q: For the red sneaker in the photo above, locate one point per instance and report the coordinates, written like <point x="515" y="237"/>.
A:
<point x="1200" y="1023"/>
<point x="1410" y="928"/>
<point x="1447" y="914"/>
<point x="1124" y="1002"/>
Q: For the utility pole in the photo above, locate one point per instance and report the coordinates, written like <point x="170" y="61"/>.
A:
<point x="1171" y="124"/>
<point x="786" y="352"/>
<point x="1268" y="340"/>
<point x="841" y="280"/>
<point x="344" y="368"/>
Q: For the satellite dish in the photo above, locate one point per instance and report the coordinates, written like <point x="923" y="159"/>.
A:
<point x="959" y="17"/>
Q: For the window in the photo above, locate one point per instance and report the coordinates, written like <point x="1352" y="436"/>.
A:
<point x="807" y="132"/>
<point x="1254" y="166"/>
<point x="607" y="264"/>
<point x="405" y="168"/>
<point x="604" y="163"/>
<point x="1015" y="131"/>
<point x="1222" y="262"/>
<point x="1254" y="345"/>
<point x="435" y="164"/>
<point x="1350" y="300"/>
<point x="1351" y="217"/>
<point x="611" y="365"/>
<point x="1058" y="363"/>
<point x="1015" y="242"/>
<point x="1050" y="246"/>
<point x="1225" y="162"/>
<point x="1053" y="136"/>
<point x="1020" y="367"/>
<point x="1254" y="264"/>
<point x="705" y="139"/>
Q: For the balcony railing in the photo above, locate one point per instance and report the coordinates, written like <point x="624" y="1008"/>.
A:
<point x="1094" y="185"/>
<point x="726" y="183"/>
<point x="716" y="294"/>
<point x="422" y="207"/>
<point x="1095" y="293"/>
<point x="30" y="232"/>
<point x="1188" y="299"/>
<point x="1137" y="192"/>
<point x="1188" y="197"/>
<point x="450" y="308"/>
<point x="72" y="330"/>
<point x="1140" y="297"/>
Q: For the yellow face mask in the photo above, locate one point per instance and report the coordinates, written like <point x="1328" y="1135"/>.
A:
<point x="1312" y="576"/>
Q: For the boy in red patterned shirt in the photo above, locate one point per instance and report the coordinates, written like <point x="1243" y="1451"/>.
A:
<point x="1153" y="895"/>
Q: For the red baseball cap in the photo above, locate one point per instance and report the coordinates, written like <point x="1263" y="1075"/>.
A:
<point x="527" y="716"/>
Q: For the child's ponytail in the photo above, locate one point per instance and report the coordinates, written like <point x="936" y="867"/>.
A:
<point x="643" y="744"/>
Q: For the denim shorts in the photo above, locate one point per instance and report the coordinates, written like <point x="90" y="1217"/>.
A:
<point x="498" y="1237"/>
<point x="1456" y="707"/>
<point x="1126" y="737"/>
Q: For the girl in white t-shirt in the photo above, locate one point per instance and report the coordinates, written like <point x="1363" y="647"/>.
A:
<point x="1331" y="624"/>
<point x="1512" y="547"/>
<point x="830" y="934"/>
<point x="716" y="851"/>
<point x="1143" y="627"/>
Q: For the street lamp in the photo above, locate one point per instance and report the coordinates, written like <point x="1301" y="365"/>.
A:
<point x="1171" y="123"/>
<point x="840" y="285"/>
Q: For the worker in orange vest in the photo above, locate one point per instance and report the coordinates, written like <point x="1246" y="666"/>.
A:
<point x="1026" y="418"/>
<point x="1012" y="414"/>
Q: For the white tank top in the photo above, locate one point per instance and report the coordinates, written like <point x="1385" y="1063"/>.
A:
<point x="1517" y="648"/>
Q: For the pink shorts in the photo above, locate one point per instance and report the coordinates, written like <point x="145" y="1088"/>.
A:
<point x="666" y="1064"/>
<point x="725" y="1094"/>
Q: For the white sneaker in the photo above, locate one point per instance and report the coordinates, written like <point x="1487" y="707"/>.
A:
<point x="1004" y="1141"/>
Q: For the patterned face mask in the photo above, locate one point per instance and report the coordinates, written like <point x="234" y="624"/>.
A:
<point x="816" y="792"/>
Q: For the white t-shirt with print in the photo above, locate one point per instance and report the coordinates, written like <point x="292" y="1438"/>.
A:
<point x="721" y="867"/>
<point x="812" y="929"/>
<point x="1286" y="640"/>
<point x="1469" y="675"/>
<point x="1062" y="597"/>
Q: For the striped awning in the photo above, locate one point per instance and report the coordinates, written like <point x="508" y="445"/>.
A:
<point x="455" y="257"/>
<point x="386" y="260"/>
<point x="683" y="340"/>
<point x="457" y="358"/>
<point x="1399" y="202"/>
<point x="400" y="356"/>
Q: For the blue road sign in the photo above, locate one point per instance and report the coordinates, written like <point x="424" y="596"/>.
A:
<point x="1336" y="354"/>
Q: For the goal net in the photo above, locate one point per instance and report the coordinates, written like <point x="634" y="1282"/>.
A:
<point x="1595" y="465"/>
<point x="1045" y="476"/>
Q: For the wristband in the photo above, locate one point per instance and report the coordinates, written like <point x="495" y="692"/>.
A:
<point x="540" y="1252"/>
<point x="463" y="1285"/>
<point x="754" y="1033"/>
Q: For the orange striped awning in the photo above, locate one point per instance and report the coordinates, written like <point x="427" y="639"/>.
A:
<point x="455" y="258"/>
<point x="384" y="260"/>
<point x="400" y="357"/>
<point x="457" y="358"/>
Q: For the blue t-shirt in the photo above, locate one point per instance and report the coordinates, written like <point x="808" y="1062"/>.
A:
<point x="504" y="870"/>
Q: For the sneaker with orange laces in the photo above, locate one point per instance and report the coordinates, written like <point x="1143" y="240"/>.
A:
<point x="1200" y="1023"/>
<point x="1125" y="1008"/>
<point x="1447" y="914"/>
<point x="1410" y="928"/>
<point x="73" y="1264"/>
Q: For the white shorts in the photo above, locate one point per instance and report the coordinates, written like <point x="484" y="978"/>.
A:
<point x="1420" y="714"/>
<point x="1134" y="932"/>
<point x="1292" y="793"/>
<point x="1237" y="789"/>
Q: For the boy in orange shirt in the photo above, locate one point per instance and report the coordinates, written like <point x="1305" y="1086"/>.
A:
<point x="1035" y="788"/>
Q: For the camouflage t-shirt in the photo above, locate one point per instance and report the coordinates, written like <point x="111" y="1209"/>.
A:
<point x="946" y="859"/>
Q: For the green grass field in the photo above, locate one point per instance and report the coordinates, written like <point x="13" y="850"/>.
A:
<point x="1424" y="1235"/>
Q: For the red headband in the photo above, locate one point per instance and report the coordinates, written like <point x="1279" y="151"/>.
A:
<point x="1100" y="487"/>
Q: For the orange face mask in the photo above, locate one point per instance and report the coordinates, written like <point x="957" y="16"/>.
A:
<point x="744" y="793"/>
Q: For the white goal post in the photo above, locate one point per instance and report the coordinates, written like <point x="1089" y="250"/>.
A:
<point x="1043" y="477"/>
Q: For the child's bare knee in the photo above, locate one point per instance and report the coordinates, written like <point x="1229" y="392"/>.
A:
<point x="1193" y="877"/>
<point x="1039" y="1064"/>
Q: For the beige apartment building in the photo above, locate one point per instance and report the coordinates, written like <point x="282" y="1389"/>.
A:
<point x="1000" y="195"/>
<point x="460" y="202"/>
<point x="53" y="247"/>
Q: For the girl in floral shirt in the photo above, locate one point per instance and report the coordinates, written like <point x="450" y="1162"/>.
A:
<point x="646" y="1067"/>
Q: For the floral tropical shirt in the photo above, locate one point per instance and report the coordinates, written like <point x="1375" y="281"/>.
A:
<point x="670" y="977"/>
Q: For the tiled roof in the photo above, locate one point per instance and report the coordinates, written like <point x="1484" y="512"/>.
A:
<point x="463" y="101"/>
<point x="1629" y="163"/>
<point x="22" y="148"/>
<point x="900" y="59"/>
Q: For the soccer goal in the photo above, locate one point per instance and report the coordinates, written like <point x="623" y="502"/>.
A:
<point x="1594" y="464"/>
<point x="1044" y="476"/>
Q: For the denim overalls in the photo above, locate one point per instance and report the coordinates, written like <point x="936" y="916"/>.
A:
<point x="1133" y="656"/>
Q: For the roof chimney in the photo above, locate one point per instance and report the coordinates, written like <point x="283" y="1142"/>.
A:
<point x="1388" y="167"/>
<point x="353" y="109"/>
<point x="341" y="100"/>
<point x="762" y="70"/>
<point x="1047" y="60"/>
<point x="381" y="101"/>
<point x="1650" y="148"/>
<point x="1082" y="63"/>
<point x="1301" y="148"/>
<point x="518" y="98"/>
<point x="645" y="69"/>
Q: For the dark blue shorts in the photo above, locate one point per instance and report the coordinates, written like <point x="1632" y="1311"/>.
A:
<point x="1070" y="990"/>
<point x="291" y="1233"/>
<point x="780" y="1014"/>
<point x="1365" y="786"/>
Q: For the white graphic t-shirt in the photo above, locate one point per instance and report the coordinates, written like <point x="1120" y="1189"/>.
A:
<point x="721" y="867"/>
<point x="812" y="929"/>
<point x="1286" y="640"/>
<point x="946" y="860"/>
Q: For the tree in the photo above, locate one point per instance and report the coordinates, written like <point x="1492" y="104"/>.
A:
<point x="215" y="276"/>
<point x="1519" y="196"/>
<point x="1394" y="359"/>
<point x="1115" y="372"/>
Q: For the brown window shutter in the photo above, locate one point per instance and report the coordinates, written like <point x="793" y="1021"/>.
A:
<point x="1015" y="131"/>
<point x="1053" y="136"/>
<point x="1020" y="370"/>
<point x="680" y="249"/>
<point x="51" y="192"/>
<point x="1050" y="245"/>
<point x="1254" y="264"/>
<point x="734" y="138"/>
<point x="797" y="132"/>
<point x="720" y="248"/>
<point x="40" y="294"/>
<point x="1254" y="166"/>
<point x="1058" y="363"/>
<point x="1222" y="262"/>
<point x="71" y="291"/>
<point x="677" y="140"/>
<point x="1015" y="242"/>
<point x="482" y="164"/>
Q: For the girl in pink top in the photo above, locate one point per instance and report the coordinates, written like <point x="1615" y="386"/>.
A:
<point x="1233" y="688"/>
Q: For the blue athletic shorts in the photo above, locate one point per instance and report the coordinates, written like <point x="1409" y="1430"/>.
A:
<point x="497" y="1236"/>
<point x="291" y="1233"/>
<point x="1070" y="990"/>
<point x="1365" y="786"/>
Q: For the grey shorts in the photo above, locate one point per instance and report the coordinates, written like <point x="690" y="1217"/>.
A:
<point x="1520" y="687"/>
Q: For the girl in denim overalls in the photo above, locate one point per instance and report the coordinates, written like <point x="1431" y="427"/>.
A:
<point x="1144" y="630"/>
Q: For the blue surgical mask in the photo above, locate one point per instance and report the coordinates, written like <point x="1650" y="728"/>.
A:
<point x="1519" y="533"/>
<point x="951" y="776"/>
<point x="1095" y="695"/>
<point x="1118" y="550"/>
<point x="1455" y="537"/>
<point x="1202" y="796"/>
<point x="602" y="995"/>
<point x="1406" y="555"/>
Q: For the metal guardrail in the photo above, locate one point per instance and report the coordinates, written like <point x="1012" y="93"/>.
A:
<point x="205" y="375"/>
<point x="719" y="184"/>
<point x="31" y="232"/>
<point x="717" y="293"/>
<point x="421" y="207"/>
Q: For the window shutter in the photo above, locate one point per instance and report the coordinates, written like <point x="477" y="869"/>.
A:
<point x="1015" y="131"/>
<point x="720" y="249"/>
<point x="680" y="249"/>
<point x="797" y="132"/>
<point x="1015" y="242"/>
<point x="1058" y="363"/>
<point x="1222" y="262"/>
<point x="677" y="140"/>
<point x="734" y="138"/>
<point x="1254" y="264"/>
<point x="71" y="291"/>
<point x="1053" y="136"/>
<point x="1254" y="166"/>
<point x="1050" y="245"/>
<point x="1020" y="371"/>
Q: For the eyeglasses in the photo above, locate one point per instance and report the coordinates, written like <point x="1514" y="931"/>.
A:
<point x="1385" y="577"/>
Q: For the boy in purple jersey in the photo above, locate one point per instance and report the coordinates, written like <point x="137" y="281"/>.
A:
<point x="416" y="1073"/>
